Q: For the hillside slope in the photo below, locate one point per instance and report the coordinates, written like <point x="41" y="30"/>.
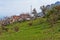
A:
<point x="39" y="30"/>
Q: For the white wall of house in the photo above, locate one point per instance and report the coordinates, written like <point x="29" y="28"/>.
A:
<point x="28" y="18"/>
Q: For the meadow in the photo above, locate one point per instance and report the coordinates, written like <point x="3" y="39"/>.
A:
<point x="39" y="30"/>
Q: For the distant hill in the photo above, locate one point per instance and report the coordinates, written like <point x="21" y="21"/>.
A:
<point x="57" y="3"/>
<point x="52" y="5"/>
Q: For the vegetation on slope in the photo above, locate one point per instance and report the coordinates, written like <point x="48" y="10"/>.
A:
<point x="37" y="31"/>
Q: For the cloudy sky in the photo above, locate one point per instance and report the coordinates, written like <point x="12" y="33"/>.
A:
<point x="15" y="7"/>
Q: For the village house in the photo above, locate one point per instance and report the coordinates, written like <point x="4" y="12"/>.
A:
<point x="20" y="18"/>
<point x="25" y="16"/>
<point x="40" y="14"/>
<point x="15" y="18"/>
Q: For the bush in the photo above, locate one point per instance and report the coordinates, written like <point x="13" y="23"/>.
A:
<point x="16" y="29"/>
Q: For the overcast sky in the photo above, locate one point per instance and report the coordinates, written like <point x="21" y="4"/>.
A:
<point x="15" y="7"/>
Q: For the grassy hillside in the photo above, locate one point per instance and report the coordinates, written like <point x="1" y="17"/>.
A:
<point x="39" y="30"/>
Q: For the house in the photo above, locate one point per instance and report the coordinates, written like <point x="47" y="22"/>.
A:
<point x="40" y="14"/>
<point x="15" y="18"/>
<point x="25" y="16"/>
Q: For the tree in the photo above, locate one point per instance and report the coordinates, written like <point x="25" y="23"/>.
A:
<point x="58" y="11"/>
<point x="43" y="8"/>
<point x="35" y="13"/>
<point x="52" y="15"/>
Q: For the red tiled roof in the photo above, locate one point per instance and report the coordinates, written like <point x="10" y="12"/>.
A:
<point x="16" y="17"/>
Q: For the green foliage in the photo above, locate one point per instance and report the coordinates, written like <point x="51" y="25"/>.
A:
<point x="52" y="15"/>
<point x="38" y="31"/>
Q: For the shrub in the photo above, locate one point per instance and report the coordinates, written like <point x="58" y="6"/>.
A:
<point x="16" y="29"/>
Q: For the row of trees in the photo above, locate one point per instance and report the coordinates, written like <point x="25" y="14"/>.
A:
<point x="52" y="14"/>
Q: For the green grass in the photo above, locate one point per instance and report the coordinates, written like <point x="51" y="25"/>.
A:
<point x="40" y="30"/>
